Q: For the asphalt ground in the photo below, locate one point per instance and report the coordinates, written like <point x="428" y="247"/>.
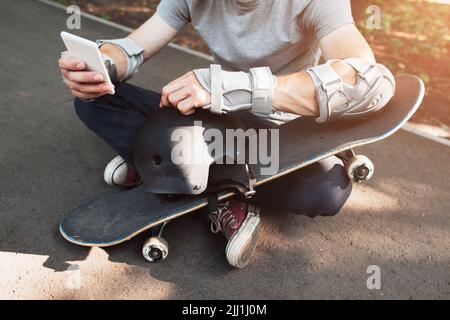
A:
<point x="49" y="162"/>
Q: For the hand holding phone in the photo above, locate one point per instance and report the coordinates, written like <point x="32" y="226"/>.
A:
<point x="83" y="68"/>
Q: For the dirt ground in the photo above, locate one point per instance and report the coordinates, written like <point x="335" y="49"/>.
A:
<point x="414" y="39"/>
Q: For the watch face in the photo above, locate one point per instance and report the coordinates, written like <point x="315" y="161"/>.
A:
<point x="111" y="67"/>
<point x="109" y="64"/>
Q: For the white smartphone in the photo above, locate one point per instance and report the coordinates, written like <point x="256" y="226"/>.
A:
<point x="88" y="52"/>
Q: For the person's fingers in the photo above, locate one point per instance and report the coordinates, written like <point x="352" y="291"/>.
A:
<point x="84" y="95"/>
<point x="179" y="95"/>
<point x="83" y="76"/>
<point x="189" y="112"/>
<point x="69" y="63"/>
<point x="188" y="77"/>
<point x="187" y="106"/>
<point x="169" y="89"/>
<point x="100" y="88"/>
<point x="175" y="85"/>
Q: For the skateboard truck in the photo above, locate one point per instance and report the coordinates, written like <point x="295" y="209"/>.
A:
<point x="245" y="190"/>
<point x="359" y="168"/>
<point x="251" y="183"/>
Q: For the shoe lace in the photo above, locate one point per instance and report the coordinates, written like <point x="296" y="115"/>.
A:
<point x="222" y="219"/>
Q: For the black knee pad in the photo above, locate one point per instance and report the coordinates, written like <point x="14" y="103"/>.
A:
<point x="328" y="198"/>
<point x="334" y="204"/>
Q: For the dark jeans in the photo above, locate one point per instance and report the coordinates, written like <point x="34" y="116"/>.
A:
<point x="319" y="189"/>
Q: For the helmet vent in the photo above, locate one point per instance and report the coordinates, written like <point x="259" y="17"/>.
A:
<point x="156" y="160"/>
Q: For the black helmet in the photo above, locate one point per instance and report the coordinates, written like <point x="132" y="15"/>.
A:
<point x="172" y="154"/>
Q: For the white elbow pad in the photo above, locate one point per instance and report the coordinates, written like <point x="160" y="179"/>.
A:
<point x="133" y="51"/>
<point x="374" y="87"/>
<point x="236" y="91"/>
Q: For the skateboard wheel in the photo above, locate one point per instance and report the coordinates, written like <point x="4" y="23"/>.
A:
<point x="360" y="168"/>
<point x="155" y="249"/>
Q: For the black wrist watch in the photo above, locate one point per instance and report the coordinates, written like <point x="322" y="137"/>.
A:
<point x="111" y="67"/>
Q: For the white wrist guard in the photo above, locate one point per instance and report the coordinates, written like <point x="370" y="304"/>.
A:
<point x="375" y="86"/>
<point x="235" y="91"/>
<point x="133" y="52"/>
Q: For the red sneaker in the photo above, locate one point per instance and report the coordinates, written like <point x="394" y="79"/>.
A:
<point x="240" y="224"/>
<point x="118" y="173"/>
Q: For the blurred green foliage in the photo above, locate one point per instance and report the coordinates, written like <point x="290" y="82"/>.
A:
<point x="425" y="30"/>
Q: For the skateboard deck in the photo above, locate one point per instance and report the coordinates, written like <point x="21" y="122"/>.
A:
<point x="115" y="218"/>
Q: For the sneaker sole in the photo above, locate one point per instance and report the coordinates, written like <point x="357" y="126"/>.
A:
<point x="240" y="248"/>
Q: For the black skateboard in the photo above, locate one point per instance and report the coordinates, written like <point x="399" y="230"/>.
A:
<point x="118" y="217"/>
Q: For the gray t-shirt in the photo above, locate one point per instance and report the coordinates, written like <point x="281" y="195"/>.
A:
<point x="280" y="34"/>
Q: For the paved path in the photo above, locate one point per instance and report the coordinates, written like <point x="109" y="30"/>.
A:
<point x="49" y="162"/>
